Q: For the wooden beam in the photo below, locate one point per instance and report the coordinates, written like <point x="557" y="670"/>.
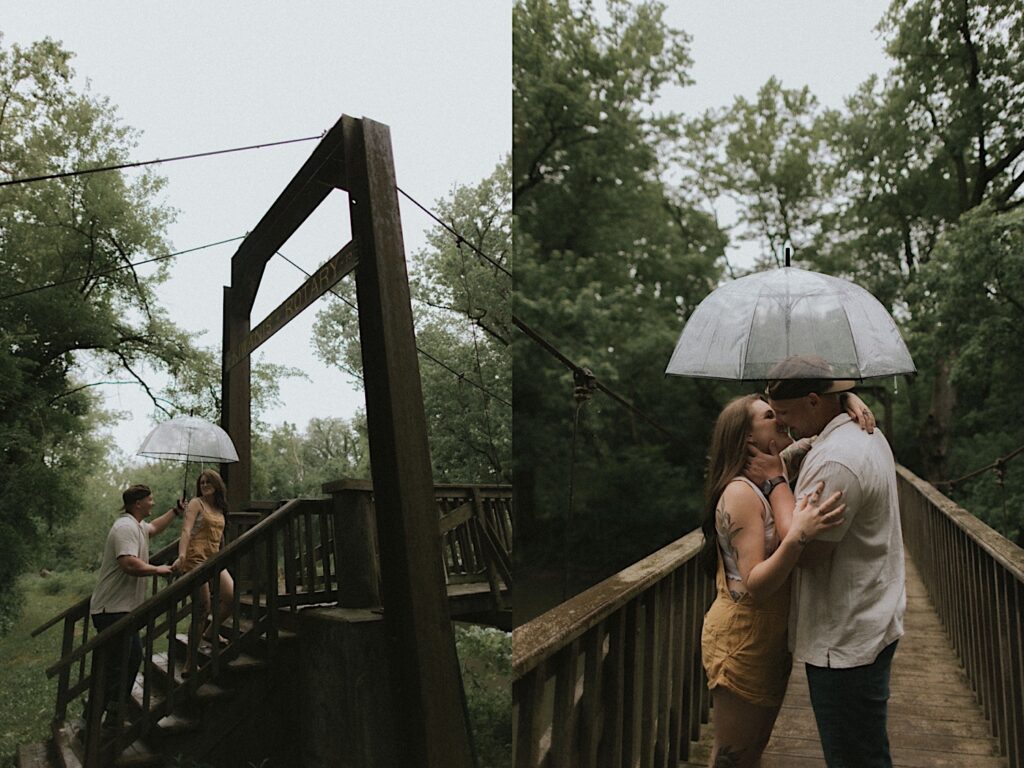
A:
<point x="236" y="417"/>
<point x="428" y="697"/>
<point x="321" y="173"/>
<point x="321" y="281"/>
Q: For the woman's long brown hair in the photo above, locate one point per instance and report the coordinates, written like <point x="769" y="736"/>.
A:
<point x="220" y="490"/>
<point x="726" y="460"/>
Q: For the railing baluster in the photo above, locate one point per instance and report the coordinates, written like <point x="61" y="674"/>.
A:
<point x="563" y="732"/>
<point x="988" y="671"/>
<point x="172" y="651"/>
<point x="649" y="687"/>
<point x="147" y="669"/>
<point x="271" y="591"/>
<point x="615" y="681"/>
<point x="528" y="695"/>
<point x="86" y="624"/>
<point x="67" y="643"/>
<point x="593" y="676"/>
<point x="307" y="522"/>
<point x="678" y="746"/>
<point x="631" y="681"/>
<point x="289" y="567"/>
<point x="326" y="551"/>
<point x="666" y="627"/>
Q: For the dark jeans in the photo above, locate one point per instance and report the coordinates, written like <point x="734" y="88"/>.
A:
<point x="850" y="707"/>
<point x="112" y="677"/>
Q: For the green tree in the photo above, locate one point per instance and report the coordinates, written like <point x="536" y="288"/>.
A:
<point x="970" y="305"/>
<point x="870" y="191"/>
<point x="288" y="463"/>
<point x="461" y="308"/>
<point x="942" y="135"/>
<point x="610" y="260"/>
<point x="81" y="232"/>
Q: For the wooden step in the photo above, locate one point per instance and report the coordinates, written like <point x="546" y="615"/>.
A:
<point x="69" y="745"/>
<point x="206" y="692"/>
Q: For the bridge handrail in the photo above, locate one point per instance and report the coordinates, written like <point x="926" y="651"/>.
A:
<point x="975" y="578"/>
<point x="164" y="556"/>
<point x="540" y="639"/>
<point x="179" y="587"/>
<point x="615" y="671"/>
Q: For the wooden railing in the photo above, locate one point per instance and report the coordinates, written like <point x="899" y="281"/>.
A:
<point x="975" y="578"/>
<point x="475" y="522"/>
<point x="307" y="551"/>
<point x="613" y="676"/>
<point x="252" y="618"/>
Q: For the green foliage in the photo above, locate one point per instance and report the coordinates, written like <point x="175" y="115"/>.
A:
<point x="288" y="463"/>
<point x="25" y="717"/>
<point x="485" y="656"/>
<point x="609" y="263"/>
<point x="79" y="228"/>
<point x="462" y="314"/>
<point x="910" y="190"/>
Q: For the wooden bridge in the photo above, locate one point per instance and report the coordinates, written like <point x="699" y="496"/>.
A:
<point x="306" y="574"/>
<point x="613" y="676"/>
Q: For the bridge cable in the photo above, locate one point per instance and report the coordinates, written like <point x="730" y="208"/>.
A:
<point x="999" y="466"/>
<point x="84" y="171"/>
<point x="583" y="389"/>
<point x="112" y="270"/>
<point x="530" y="332"/>
<point x="576" y="369"/>
<point x="457" y="374"/>
<point x="459" y="239"/>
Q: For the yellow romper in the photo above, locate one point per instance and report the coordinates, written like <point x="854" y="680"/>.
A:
<point x="205" y="540"/>
<point x="744" y="646"/>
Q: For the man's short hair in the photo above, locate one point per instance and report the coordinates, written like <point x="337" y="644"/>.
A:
<point x="133" y="494"/>
<point x="800" y="375"/>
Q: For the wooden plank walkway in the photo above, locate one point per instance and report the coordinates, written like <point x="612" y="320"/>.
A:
<point x="934" y="719"/>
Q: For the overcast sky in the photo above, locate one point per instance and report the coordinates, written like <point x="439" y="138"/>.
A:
<point x="196" y="76"/>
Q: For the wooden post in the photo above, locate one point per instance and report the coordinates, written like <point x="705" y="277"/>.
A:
<point x="429" y="706"/>
<point x="355" y="542"/>
<point x="235" y="408"/>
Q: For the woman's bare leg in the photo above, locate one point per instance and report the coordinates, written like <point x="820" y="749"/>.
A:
<point x="742" y="730"/>
<point x="196" y="632"/>
<point x="227" y="596"/>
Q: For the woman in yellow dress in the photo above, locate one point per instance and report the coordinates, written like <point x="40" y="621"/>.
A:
<point x="202" y="536"/>
<point x="751" y="545"/>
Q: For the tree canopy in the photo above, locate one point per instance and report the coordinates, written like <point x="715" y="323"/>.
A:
<point x="912" y="189"/>
<point x="462" y="314"/>
<point x="80" y="233"/>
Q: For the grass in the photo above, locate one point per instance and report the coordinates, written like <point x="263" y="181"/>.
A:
<point x="26" y="706"/>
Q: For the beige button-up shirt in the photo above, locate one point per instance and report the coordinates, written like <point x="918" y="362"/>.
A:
<point x="117" y="591"/>
<point x="849" y="607"/>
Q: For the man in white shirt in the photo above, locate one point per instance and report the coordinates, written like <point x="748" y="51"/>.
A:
<point x="849" y="593"/>
<point x="121" y="587"/>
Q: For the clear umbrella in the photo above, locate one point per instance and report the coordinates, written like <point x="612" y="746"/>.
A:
<point x="746" y="327"/>
<point x="189" y="438"/>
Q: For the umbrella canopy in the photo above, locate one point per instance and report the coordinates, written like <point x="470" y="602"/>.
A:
<point x="189" y="438"/>
<point x="746" y="327"/>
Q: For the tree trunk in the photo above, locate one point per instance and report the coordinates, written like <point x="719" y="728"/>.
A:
<point x="934" y="434"/>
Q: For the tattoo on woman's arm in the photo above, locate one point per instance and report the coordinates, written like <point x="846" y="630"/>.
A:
<point x="727" y="531"/>
<point x="803" y="540"/>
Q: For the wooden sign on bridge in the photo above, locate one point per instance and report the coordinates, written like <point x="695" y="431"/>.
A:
<point x="321" y="281"/>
